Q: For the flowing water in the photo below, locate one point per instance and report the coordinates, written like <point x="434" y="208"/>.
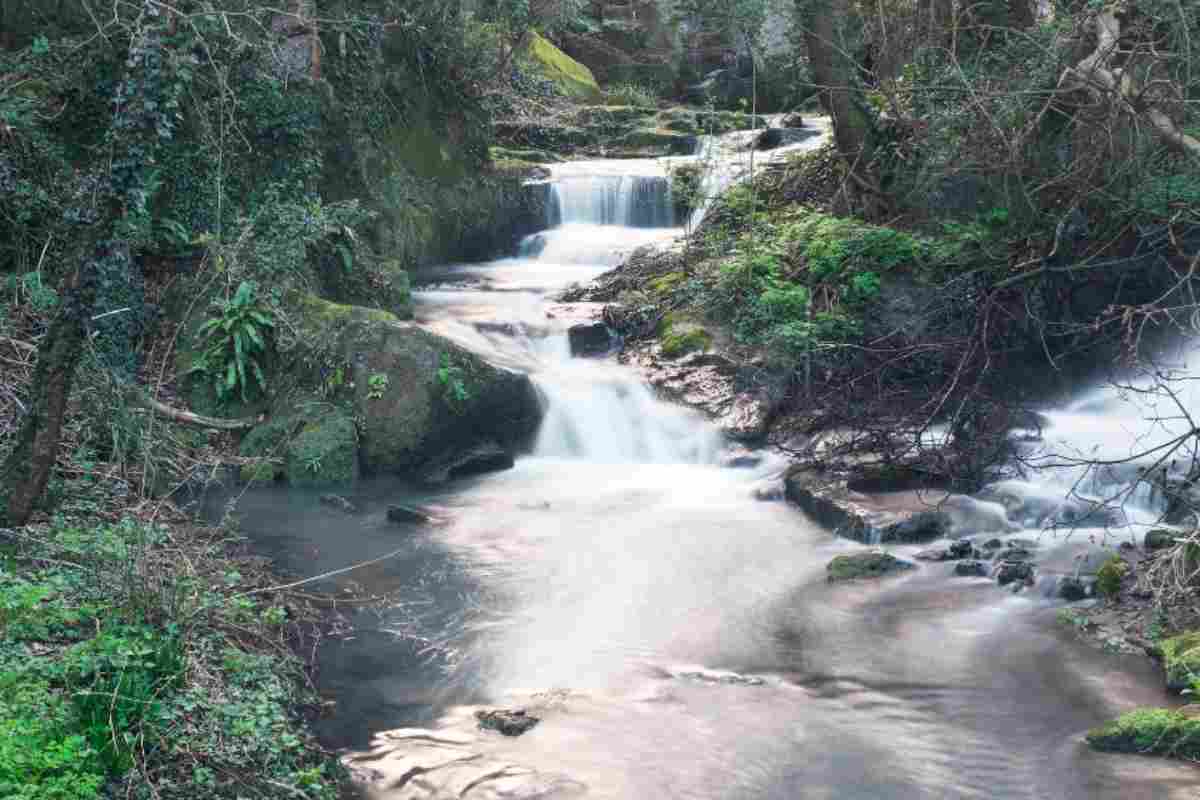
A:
<point x="677" y="635"/>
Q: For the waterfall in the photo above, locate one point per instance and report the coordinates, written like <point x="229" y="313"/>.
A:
<point x="632" y="201"/>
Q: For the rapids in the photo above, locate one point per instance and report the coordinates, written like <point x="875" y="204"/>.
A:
<point x="676" y="635"/>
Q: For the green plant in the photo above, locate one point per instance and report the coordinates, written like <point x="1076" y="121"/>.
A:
<point x="1109" y="577"/>
<point x="40" y="758"/>
<point x="450" y="376"/>
<point x="236" y="338"/>
<point x="377" y="385"/>
<point x="633" y="94"/>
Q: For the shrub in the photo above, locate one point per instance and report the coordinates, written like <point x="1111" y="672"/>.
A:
<point x="1109" y="577"/>
<point x="236" y="338"/>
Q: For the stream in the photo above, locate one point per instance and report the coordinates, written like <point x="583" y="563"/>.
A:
<point x="676" y="636"/>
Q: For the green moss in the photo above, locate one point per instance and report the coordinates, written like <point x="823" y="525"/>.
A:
<point x="1108" y="578"/>
<point x="573" y="78"/>
<point x="324" y="454"/>
<point x="1181" y="659"/>
<point x="678" y="343"/>
<point x="668" y="283"/>
<point x="320" y="318"/>
<point x="870" y="564"/>
<point x="1150" y="731"/>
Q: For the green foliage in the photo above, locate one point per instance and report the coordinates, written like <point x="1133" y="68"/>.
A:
<point x="452" y="379"/>
<point x="377" y="385"/>
<point x="236" y="340"/>
<point x="632" y="94"/>
<point x="1109" y="577"/>
<point x="40" y="758"/>
<point x="1150" y="731"/>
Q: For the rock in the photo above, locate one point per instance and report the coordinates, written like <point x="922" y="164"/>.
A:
<point x="867" y="564"/>
<point x="424" y="405"/>
<point x="993" y="544"/>
<point x="773" y="138"/>
<point x="823" y="496"/>
<point x="769" y="492"/>
<point x="509" y="723"/>
<point x="1019" y="572"/>
<point x="1150" y="730"/>
<point x="961" y="549"/>
<point x="402" y="515"/>
<point x="1027" y="544"/>
<point x="932" y="555"/>
<point x="1158" y="539"/>
<point x="793" y="120"/>
<point x="748" y="418"/>
<point x="318" y="449"/>
<point x="338" y="502"/>
<point x="1071" y="589"/>
<point x="1013" y="554"/>
<point x="971" y="569"/>
<point x="574" y="79"/>
<point x="741" y="458"/>
<point x="594" y="339"/>
<point x="920" y="527"/>
<point x="715" y="677"/>
<point x="724" y="88"/>
<point x="478" y="460"/>
<point x="1181" y="660"/>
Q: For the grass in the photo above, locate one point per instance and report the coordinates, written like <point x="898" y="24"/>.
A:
<point x="133" y="663"/>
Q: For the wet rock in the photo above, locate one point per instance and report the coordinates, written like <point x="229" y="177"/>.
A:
<point x="741" y="458"/>
<point x="920" y="527"/>
<point x="824" y="498"/>
<point x="1014" y="554"/>
<point x="993" y="544"/>
<point x="478" y="460"/>
<point x="1027" y="544"/>
<point x="932" y="555"/>
<point x="971" y="569"/>
<point x="792" y="120"/>
<point x="594" y="339"/>
<point x="773" y="138"/>
<point x="509" y="723"/>
<point x="1071" y="589"/>
<point x="961" y="549"/>
<point x="721" y="678"/>
<point x="1158" y="539"/>
<point x="336" y="501"/>
<point x="1017" y="572"/>
<point x="769" y="492"/>
<point x="748" y="419"/>
<point x="408" y="515"/>
<point x="867" y="564"/>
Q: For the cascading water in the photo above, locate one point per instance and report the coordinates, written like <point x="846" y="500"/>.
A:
<point x="676" y="636"/>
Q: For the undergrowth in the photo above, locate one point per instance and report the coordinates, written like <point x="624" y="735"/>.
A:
<point x="135" y="662"/>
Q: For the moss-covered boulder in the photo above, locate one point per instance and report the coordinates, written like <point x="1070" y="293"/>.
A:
<point x="423" y="403"/>
<point x="574" y="79"/>
<point x="310" y="444"/>
<point x="867" y="564"/>
<point x="679" y="336"/>
<point x="1150" y="731"/>
<point x="1181" y="659"/>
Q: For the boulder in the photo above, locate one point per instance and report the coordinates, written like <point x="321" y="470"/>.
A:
<point x="971" y="569"/>
<point x="793" y="120"/>
<point x="591" y="339"/>
<point x="773" y="138"/>
<point x="748" y="418"/>
<point x="867" y="564"/>
<point x="921" y="527"/>
<point x="425" y="407"/>
<point x="339" y="503"/>
<point x="508" y="723"/>
<point x="1181" y="660"/>
<point x="961" y="549"/>
<point x="1015" y="572"/>
<point x="932" y="555"/>
<point x="1071" y="589"/>
<point x="317" y="448"/>
<point x="572" y="78"/>
<point x="1158" y="539"/>
<point x="408" y="515"/>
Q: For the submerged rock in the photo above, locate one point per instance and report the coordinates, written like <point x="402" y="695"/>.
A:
<point x="509" y="723"/>
<point x="591" y="339"/>
<point x="868" y="564"/>
<point x="971" y="569"/>
<point x="961" y="549"/>
<point x="933" y="554"/>
<point x="338" y="502"/>
<point x="1020" y="572"/>
<point x="402" y="515"/>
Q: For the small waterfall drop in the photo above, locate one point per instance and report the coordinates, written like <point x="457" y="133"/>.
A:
<point x="632" y="201"/>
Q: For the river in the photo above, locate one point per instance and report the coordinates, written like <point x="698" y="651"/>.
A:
<point x="676" y="635"/>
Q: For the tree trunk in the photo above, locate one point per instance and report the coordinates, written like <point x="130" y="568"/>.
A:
<point x="834" y="73"/>
<point x="27" y="469"/>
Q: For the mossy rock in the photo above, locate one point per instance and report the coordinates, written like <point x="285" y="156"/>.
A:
<point x="657" y="139"/>
<point x="421" y="400"/>
<point x="679" y="336"/>
<point x="1150" y="731"/>
<point x="325" y="453"/>
<point x="868" y="564"/>
<point x="260" y="472"/>
<point x="395" y="289"/>
<point x="574" y="79"/>
<point x="532" y="156"/>
<point x="1181" y="659"/>
<point x="665" y="284"/>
